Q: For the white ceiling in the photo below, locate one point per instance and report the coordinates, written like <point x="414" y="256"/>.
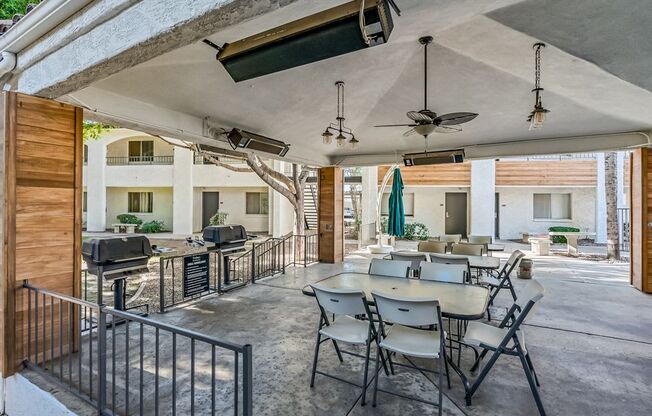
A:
<point x="477" y="64"/>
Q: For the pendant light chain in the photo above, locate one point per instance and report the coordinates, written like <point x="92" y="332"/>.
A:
<point x="537" y="67"/>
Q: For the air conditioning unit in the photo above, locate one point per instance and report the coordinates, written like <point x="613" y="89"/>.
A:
<point x="241" y="139"/>
<point x="321" y="36"/>
<point x="433" y="158"/>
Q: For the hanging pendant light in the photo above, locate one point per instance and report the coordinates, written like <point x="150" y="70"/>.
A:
<point x="538" y="115"/>
<point x="342" y="131"/>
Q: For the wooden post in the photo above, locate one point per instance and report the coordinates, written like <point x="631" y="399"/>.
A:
<point x="640" y="196"/>
<point x="331" y="215"/>
<point x="42" y="212"/>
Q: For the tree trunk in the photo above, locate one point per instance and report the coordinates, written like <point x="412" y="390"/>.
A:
<point x="611" y="198"/>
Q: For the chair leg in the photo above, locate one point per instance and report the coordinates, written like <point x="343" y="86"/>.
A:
<point x="337" y="349"/>
<point x="442" y="357"/>
<point x="511" y="289"/>
<point x="314" y="360"/>
<point x="530" y="380"/>
<point x="382" y="359"/>
<point x="448" y="376"/>
<point x="373" y="403"/>
<point x="474" y="368"/>
<point x="483" y="374"/>
<point x="366" y="373"/>
<point x="534" y="373"/>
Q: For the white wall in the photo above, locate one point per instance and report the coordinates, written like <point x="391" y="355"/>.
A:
<point x="233" y="202"/>
<point x="517" y="209"/>
<point x="482" y="200"/>
<point x="117" y="203"/>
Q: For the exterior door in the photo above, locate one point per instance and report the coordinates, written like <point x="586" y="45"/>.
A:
<point x="209" y="206"/>
<point x="456" y="213"/>
<point x="497" y="217"/>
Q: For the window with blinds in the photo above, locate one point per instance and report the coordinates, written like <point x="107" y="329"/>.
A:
<point x="408" y="204"/>
<point x="141" y="202"/>
<point x="552" y="206"/>
<point x="257" y="203"/>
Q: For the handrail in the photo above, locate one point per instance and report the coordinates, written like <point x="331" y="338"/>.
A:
<point x="61" y="296"/>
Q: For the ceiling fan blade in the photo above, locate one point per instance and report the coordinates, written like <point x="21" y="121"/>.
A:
<point x="396" y="125"/>
<point x="419" y="117"/>
<point x="454" y="118"/>
<point x="409" y="133"/>
<point x="448" y="129"/>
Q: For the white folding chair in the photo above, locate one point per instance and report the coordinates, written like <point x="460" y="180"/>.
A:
<point x="480" y="239"/>
<point x="506" y="340"/>
<point x="468" y="249"/>
<point x="415" y="260"/>
<point x="441" y="272"/>
<point x="502" y="280"/>
<point x="390" y="268"/>
<point x="345" y="305"/>
<point x="432" y="246"/>
<point x="448" y="259"/>
<point x="401" y="337"/>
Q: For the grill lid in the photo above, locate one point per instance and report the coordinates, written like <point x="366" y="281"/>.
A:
<point x="225" y="234"/>
<point x="115" y="249"/>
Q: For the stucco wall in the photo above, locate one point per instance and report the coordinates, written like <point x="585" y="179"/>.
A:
<point x="116" y="203"/>
<point x="233" y="202"/>
<point x="517" y="209"/>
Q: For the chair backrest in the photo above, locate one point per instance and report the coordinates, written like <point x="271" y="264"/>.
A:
<point x="340" y="301"/>
<point x="512" y="262"/>
<point x="468" y="249"/>
<point x="448" y="259"/>
<point x="432" y="246"/>
<point x="407" y="310"/>
<point x="532" y="292"/>
<point x="451" y="238"/>
<point x="415" y="259"/>
<point x="391" y="268"/>
<point x="480" y="239"/>
<point x="441" y="272"/>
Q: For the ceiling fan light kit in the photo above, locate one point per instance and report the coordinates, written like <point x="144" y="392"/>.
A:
<point x="538" y="114"/>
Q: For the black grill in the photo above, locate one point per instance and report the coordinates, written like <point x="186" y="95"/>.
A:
<point x="226" y="238"/>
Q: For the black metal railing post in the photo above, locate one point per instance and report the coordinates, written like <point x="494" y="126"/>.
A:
<point x="161" y="294"/>
<point x="247" y="381"/>
<point x="101" y="359"/>
<point x="253" y="263"/>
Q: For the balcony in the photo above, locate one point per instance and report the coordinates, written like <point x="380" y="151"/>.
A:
<point x="139" y="160"/>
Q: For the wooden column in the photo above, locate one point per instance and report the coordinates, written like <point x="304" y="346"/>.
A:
<point x="42" y="214"/>
<point x="640" y="196"/>
<point x="331" y="215"/>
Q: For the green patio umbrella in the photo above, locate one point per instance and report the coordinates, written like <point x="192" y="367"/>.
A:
<point x="396" y="221"/>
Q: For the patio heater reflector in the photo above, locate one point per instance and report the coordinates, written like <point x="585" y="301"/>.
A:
<point x="242" y="139"/>
<point x="433" y="158"/>
<point x="336" y="31"/>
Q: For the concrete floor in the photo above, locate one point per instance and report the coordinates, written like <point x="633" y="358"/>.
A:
<point x="590" y="340"/>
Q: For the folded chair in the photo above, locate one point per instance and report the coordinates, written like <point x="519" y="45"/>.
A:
<point x="506" y="340"/>
<point x="414" y="259"/>
<point x="404" y="313"/>
<point x="432" y="246"/>
<point x="345" y="305"/>
<point x="502" y="280"/>
<point x="468" y="249"/>
<point x="442" y="272"/>
<point x="448" y="259"/>
<point x="390" y="268"/>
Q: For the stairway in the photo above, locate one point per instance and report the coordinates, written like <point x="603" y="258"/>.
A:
<point x="310" y="205"/>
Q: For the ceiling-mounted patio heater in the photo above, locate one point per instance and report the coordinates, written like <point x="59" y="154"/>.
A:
<point x="242" y="139"/>
<point x="433" y="158"/>
<point x="346" y="28"/>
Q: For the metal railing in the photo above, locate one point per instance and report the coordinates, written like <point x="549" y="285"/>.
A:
<point x="139" y="160"/>
<point x="567" y="156"/>
<point x="171" y="282"/>
<point x="624" y="228"/>
<point x="123" y="363"/>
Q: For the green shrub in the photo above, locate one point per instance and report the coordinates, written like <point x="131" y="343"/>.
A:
<point x="129" y="219"/>
<point x="416" y="231"/>
<point x="218" y="219"/>
<point x="154" y="226"/>
<point x="560" y="239"/>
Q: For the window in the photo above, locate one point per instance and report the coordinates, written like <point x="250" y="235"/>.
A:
<point x="408" y="204"/>
<point x="140" y="202"/>
<point x="552" y="207"/>
<point x="84" y="201"/>
<point x="141" y="151"/>
<point x="257" y="203"/>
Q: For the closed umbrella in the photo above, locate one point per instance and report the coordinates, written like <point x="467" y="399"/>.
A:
<point x="396" y="221"/>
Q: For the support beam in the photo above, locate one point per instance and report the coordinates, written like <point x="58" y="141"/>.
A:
<point x="641" y="204"/>
<point x="331" y="215"/>
<point x="96" y="186"/>
<point x="182" y="196"/>
<point x="369" y="203"/>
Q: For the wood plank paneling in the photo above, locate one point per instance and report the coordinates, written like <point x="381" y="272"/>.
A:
<point x="546" y="173"/>
<point x="42" y="219"/>
<point x="640" y="178"/>
<point x="331" y="215"/>
<point x="451" y="174"/>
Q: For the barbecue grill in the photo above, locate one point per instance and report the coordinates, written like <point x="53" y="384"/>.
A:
<point x="228" y="240"/>
<point x="116" y="258"/>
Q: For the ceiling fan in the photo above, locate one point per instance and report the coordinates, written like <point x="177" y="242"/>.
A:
<point x="426" y="121"/>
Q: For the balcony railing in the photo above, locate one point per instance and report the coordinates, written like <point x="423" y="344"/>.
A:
<point x="199" y="160"/>
<point x="139" y="160"/>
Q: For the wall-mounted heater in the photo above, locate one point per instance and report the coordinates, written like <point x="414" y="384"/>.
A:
<point x="433" y="158"/>
<point x="242" y="139"/>
<point x="342" y="29"/>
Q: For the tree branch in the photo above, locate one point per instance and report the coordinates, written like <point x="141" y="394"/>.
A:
<point x="274" y="174"/>
<point x="217" y="162"/>
<point x="252" y="161"/>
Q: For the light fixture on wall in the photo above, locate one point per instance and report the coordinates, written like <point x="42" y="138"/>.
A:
<point x="538" y="115"/>
<point x="342" y="131"/>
